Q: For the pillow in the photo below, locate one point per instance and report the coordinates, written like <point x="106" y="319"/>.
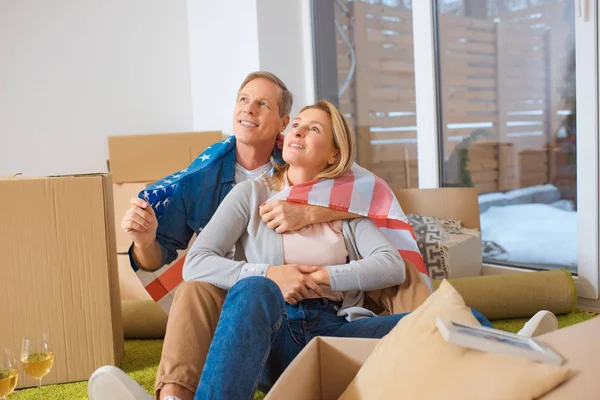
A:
<point x="415" y="362"/>
<point x="143" y="319"/>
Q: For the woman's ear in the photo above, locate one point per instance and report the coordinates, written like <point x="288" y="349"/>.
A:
<point x="333" y="159"/>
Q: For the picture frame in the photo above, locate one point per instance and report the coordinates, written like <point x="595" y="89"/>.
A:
<point x="496" y="341"/>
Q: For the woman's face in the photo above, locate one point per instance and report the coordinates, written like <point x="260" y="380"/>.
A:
<point x="309" y="143"/>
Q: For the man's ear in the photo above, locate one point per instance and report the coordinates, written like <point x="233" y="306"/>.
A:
<point x="284" y="123"/>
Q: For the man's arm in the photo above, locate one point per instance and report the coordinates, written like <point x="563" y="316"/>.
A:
<point x="147" y="257"/>
<point x="286" y="216"/>
<point x="155" y="245"/>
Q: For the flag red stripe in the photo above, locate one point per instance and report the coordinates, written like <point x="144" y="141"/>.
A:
<point x="381" y="201"/>
<point x="394" y="224"/>
<point x="299" y="193"/>
<point x="341" y="192"/>
<point x="173" y="276"/>
<point x="415" y="258"/>
<point x="156" y="290"/>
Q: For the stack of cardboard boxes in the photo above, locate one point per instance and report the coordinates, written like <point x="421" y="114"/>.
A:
<point x="482" y="165"/>
<point x="400" y="174"/>
<point x="135" y="162"/>
<point x="59" y="272"/>
<point x="507" y="167"/>
<point x="60" y="275"/>
<point x="566" y="167"/>
<point x="533" y="167"/>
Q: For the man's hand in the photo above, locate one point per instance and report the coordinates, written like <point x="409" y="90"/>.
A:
<point x="140" y="222"/>
<point x="285" y="216"/>
<point x="294" y="281"/>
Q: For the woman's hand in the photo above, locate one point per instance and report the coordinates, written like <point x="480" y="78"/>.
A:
<point x="321" y="276"/>
<point x="294" y="281"/>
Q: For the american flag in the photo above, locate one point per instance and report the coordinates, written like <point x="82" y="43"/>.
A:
<point x="361" y="192"/>
<point x="161" y="284"/>
<point x="358" y="191"/>
<point x="159" y="193"/>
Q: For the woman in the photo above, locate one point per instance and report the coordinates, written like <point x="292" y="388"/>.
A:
<point x="294" y="286"/>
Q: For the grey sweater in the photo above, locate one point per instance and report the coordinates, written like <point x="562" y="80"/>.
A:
<point x="237" y="224"/>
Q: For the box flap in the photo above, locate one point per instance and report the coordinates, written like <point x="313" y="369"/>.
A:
<point x="113" y="272"/>
<point x="340" y="359"/>
<point x="323" y="369"/>
<point x="448" y="203"/>
<point x="302" y="378"/>
<point x="148" y="158"/>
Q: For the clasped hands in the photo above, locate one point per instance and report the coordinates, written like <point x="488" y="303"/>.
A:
<point x="297" y="281"/>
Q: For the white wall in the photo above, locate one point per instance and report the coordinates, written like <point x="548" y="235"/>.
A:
<point x="74" y="72"/>
<point x="223" y="42"/>
<point x="230" y="39"/>
<point x="285" y="46"/>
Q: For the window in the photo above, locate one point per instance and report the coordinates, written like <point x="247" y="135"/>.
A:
<point x="374" y="66"/>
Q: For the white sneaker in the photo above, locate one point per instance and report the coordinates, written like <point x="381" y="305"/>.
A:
<point x="111" y="383"/>
<point x="542" y="322"/>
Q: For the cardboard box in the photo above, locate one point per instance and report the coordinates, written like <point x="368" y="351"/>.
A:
<point x="122" y="194"/>
<point x="327" y="365"/>
<point x="59" y="273"/>
<point x="323" y="369"/>
<point x="148" y="158"/>
<point x="464" y="255"/>
<point x="131" y="287"/>
<point x="462" y="204"/>
<point x="448" y="203"/>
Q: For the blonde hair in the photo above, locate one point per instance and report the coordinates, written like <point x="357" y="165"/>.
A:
<point x="285" y="100"/>
<point x="343" y="141"/>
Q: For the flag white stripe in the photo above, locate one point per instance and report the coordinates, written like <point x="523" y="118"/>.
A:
<point x="362" y="192"/>
<point x="165" y="302"/>
<point x="145" y="277"/>
<point x="321" y="193"/>
<point x="400" y="238"/>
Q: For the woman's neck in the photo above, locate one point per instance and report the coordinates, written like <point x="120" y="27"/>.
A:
<point x="297" y="175"/>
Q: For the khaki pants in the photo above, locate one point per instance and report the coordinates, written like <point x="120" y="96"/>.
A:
<point x="192" y="322"/>
<point x="195" y="313"/>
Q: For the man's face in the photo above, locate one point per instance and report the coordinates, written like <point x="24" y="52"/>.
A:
<point x="256" y="120"/>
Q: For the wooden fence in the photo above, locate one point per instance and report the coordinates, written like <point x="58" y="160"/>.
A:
<point x="504" y="78"/>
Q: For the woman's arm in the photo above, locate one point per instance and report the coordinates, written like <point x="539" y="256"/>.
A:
<point x="209" y="259"/>
<point x="286" y="216"/>
<point x="381" y="265"/>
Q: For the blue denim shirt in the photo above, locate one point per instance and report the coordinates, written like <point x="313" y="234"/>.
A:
<point x="192" y="205"/>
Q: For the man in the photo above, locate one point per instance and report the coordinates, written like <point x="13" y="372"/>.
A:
<point x="261" y="113"/>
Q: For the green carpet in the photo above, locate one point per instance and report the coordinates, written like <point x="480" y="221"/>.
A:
<point x="515" y="324"/>
<point x="142" y="357"/>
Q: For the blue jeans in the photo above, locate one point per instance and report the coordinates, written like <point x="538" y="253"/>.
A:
<point x="259" y="334"/>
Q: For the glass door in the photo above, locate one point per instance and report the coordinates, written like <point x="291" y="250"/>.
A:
<point x="510" y="88"/>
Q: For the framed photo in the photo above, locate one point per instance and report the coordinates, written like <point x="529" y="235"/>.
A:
<point x="496" y="341"/>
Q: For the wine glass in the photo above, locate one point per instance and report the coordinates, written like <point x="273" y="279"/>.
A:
<point x="8" y="374"/>
<point x="36" y="357"/>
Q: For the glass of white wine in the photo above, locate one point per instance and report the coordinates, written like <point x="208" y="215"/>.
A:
<point x="36" y="357"/>
<point x="8" y="374"/>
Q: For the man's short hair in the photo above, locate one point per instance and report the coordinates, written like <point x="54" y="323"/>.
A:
<point x="286" y="99"/>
